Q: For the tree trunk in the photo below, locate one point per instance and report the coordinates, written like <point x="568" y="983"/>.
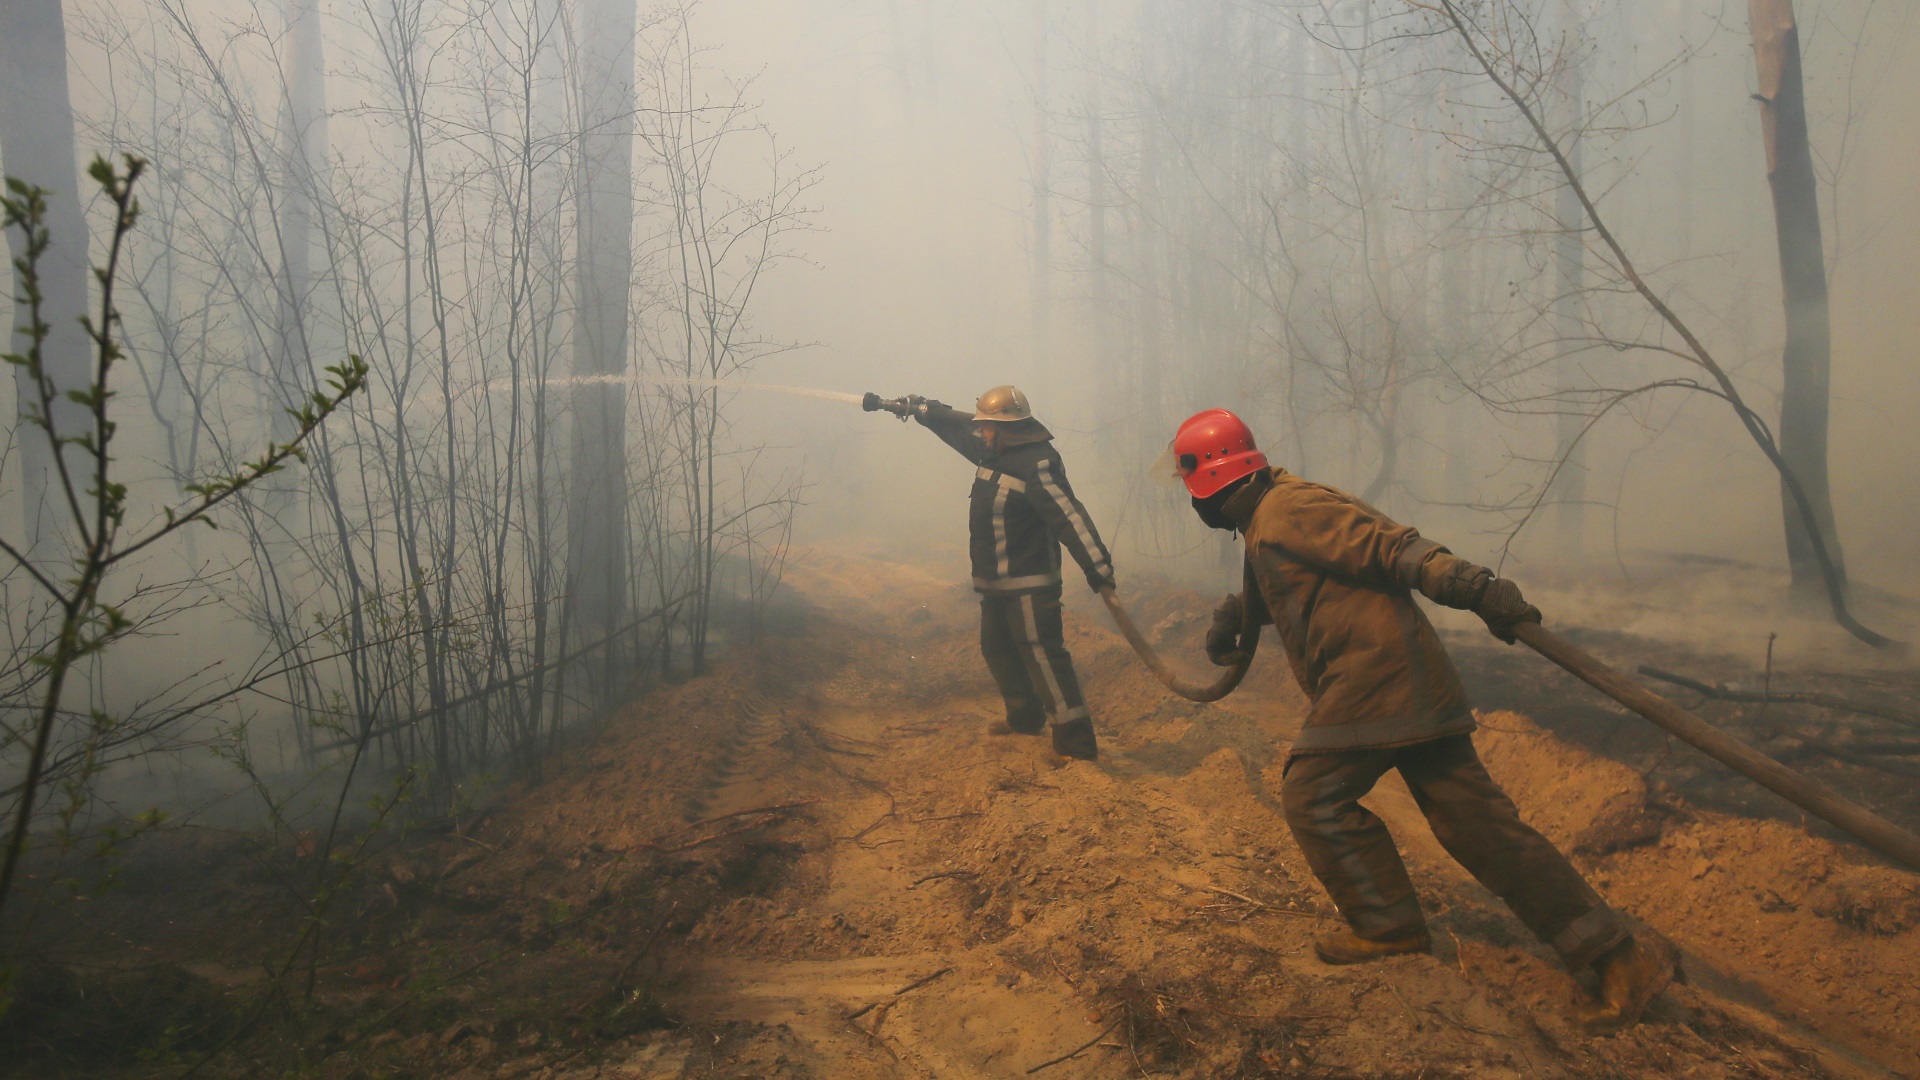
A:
<point x="596" y="517"/>
<point x="36" y="145"/>
<point x="1808" y="356"/>
<point x="303" y="148"/>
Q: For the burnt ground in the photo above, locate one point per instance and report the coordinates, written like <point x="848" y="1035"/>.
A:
<point x="814" y="862"/>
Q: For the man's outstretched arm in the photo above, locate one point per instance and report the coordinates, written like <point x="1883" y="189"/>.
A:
<point x="1349" y="537"/>
<point x="954" y="427"/>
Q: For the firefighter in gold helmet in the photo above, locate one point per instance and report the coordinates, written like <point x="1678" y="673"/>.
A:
<point x="1336" y="578"/>
<point x="1023" y="511"/>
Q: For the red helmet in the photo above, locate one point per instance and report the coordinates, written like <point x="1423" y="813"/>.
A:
<point x="1213" y="449"/>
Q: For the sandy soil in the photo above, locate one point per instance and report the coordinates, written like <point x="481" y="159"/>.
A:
<point x="815" y="862"/>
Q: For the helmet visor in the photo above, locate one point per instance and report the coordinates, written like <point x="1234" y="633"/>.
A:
<point x="1172" y="468"/>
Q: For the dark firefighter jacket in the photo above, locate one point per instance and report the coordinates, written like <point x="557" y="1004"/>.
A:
<point x="1022" y="510"/>
<point x="1335" y="577"/>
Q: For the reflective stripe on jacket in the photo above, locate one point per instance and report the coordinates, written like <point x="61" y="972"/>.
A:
<point x="1022" y="511"/>
<point x="1335" y="577"/>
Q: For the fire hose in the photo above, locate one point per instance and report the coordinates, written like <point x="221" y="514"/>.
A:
<point x="1815" y="798"/>
<point x="1855" y="820"/>
<point x="1228" y="681"/>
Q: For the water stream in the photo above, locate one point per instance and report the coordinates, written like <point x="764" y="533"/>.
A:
<point x="672" y="380"/>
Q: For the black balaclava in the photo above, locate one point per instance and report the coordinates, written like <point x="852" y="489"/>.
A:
<point x="1212" y="509"/>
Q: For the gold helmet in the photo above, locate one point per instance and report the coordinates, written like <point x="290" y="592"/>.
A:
<point x="1002" y="403"/>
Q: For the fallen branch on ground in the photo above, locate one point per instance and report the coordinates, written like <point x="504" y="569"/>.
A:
<point x="767" y="814"/>
<point x="1264" y="906"/>
<point x="1853" y="756"/>
<point x="1078" y="1050"/>
<point x="747" y="827"/>
<point x="943" y="874"/>
<point x="907" y="989"/>
<point x="775" y="808"/>
<point x="617" y="987"/>
<point x="1824" y="701"/>
<point x="1275" y="1018"/>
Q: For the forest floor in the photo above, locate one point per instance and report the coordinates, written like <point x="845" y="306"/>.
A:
<point x="815" y="862"/>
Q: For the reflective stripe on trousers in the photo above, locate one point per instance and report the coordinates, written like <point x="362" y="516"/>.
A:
<point x="1020" y="637"/>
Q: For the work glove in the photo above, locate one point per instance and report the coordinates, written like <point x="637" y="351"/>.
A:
<point x="1223" y="637"/>
<point x="1100" y="577"/>
<point x="1453" y="582"/>
<point x="1502" y="608"/>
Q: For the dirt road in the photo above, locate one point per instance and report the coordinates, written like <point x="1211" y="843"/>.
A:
<point x="963" y="905"/>
<point x="815" y="862"/>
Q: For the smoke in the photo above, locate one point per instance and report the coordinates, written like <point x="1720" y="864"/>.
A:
<point x="1133" y="211"/>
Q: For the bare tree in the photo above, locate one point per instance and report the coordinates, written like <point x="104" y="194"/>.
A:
<point x="1807" y="359"/>
<point x="1499" y="41"/>
<point x="88" y="618"/>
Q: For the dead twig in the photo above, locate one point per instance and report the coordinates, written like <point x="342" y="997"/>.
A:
<point x="1463" y="1025"/>
<point x="1862" y="755"/>
<point x="943" y="874"/>
<point x="1273" y="1019"/>
<point x="893" y="807"/>
<point x="1078" y="1050"/>
<point x="1766" y="685"/>
<point x="1770" y="696"/>
<point x="618" y="984"/>
<point x="766" y="816"/>
<point x="890" y="998"/>
<point x="1411" y="1015"/>
<point x="765" y="819"/>
<point x="774" y="809"/>
<point x="1277" y="909"/>
<point x="379" y="1022"/>
<point x="875" y="1039"/>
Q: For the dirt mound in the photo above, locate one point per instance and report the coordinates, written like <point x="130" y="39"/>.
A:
<point x="815" y="862"/>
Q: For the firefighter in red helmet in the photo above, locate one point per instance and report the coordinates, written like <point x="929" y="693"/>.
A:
<point x="1336" y="577"/>
<point x="1022" y="512"/>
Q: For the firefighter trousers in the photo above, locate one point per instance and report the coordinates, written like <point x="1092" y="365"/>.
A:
<point x="1020" y="637"/>
<point x="1351" y="852"/>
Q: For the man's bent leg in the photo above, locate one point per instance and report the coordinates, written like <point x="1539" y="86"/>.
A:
<point x="1348" y="848"/>
<point x="1006" y="659"/>
<point x="1479" y="826"/>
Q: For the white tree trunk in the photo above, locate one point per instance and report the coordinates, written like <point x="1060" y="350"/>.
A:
<point x="36" y="145"/>
<point x="596" y="517"/>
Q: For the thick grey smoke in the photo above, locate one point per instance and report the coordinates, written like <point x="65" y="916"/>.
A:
<point x="1316" y="214"/>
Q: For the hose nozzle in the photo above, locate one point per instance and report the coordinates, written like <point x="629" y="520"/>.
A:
<point x="901" y="407"/>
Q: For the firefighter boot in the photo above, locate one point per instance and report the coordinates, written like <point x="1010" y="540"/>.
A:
<point x="1018" y="725"/>
<point x="1631" y="976"/>
<point x="1074" y="739"/>
<point x="1347" y="947"/>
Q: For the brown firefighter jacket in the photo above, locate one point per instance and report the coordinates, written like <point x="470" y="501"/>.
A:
<point x="1022" y="509"/>
<point x="1335" y="575"/>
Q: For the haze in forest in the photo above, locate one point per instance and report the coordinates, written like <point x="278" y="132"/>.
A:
<point x="1318" y="215"/>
